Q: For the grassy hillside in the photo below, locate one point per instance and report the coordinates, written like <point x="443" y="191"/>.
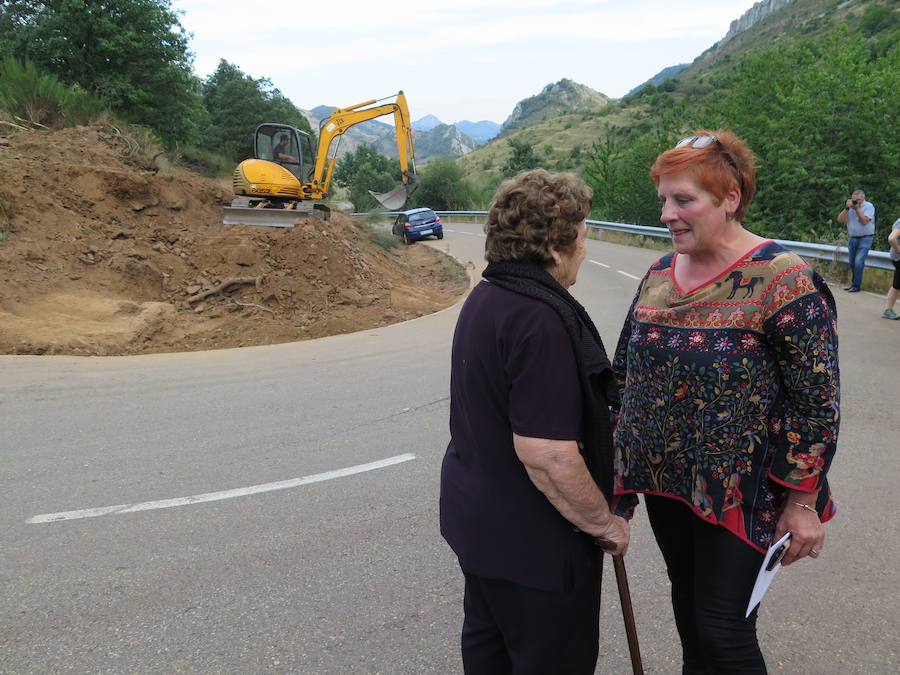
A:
<point x="561" y="142"/>
<point x="634" y="129"/>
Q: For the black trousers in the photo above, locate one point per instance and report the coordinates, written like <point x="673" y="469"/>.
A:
<point x="510" y="628"/>
<point x="712" y="574"/>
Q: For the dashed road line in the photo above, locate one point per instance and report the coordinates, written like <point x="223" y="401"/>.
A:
<point x="630" y="276"/>
<point x="223" y="494"/>
<point x="599" y="263"/>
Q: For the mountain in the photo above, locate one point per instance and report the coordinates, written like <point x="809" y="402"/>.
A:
<point x="441" y="140"/>
<point x="554" y="100"/>
<point x="426" y="123"/>
<point x="482" y="131"/>
<point x="444" y="140"/>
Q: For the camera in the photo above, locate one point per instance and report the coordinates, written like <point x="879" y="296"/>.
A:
<point x="855" y="201"/>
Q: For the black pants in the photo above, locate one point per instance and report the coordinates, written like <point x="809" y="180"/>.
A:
<point x="510" y="628"/>
<point x="712" y="574"/>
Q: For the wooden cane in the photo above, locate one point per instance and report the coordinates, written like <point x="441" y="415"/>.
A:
<point x="628" y="615"/>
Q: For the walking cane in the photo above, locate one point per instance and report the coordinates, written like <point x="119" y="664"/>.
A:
<point x="628" y="615"/>
<point x="634" y="648"/>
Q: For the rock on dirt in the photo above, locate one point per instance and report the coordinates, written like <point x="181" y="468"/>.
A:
<point x="99" y="256"/>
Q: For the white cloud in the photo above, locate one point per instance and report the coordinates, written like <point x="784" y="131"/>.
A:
<point x="452" y="53"/>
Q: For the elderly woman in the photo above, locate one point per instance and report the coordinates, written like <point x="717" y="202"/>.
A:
<point x="728" y="367"/>
<point x="528" y="471"/>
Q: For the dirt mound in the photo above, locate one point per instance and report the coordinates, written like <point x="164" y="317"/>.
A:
<point x="100" y="257"/>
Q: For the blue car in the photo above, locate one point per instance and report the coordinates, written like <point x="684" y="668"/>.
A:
<point x="418" y="224"/>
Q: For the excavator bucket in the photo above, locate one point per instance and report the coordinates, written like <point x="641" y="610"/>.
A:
<point x="396" y="198"/>
<point x="393" y="200"/>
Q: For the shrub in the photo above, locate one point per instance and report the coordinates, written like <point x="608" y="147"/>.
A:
<point x="204" y="162"/>
<point x="38" y="99"/>
<point x="382" y="238"/>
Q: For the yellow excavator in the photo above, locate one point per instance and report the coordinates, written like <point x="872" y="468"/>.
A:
<point x="287" y="179"/>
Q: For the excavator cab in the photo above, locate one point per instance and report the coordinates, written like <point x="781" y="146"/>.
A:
<point x="287" y="146"/>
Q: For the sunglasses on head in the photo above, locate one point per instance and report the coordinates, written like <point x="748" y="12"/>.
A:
<point x="697" y="142"/>
<point x="700" y="142"/>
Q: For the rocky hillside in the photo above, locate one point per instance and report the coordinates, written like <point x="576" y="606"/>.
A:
<point x="753" y="16"/>
<point x="771" y="21"/>
<point x="444" y="140"/>
<point x="430" y="140"/>
<point x="554" y="100"/>
<point x="482" y="131"/>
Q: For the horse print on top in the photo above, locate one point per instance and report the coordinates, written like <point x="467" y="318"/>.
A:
<point x="739" y="283"/>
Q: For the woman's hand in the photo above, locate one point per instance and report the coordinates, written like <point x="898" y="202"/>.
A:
<point x="807" y="532"/>
<point x="614" y="540"/>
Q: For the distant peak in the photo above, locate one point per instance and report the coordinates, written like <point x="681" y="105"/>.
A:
<point x="426" y="123"/>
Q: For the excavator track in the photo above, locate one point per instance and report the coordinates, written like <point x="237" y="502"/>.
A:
<point x="239" y="214"/>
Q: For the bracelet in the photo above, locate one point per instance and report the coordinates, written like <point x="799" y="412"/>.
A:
<point x="805" y="506"/>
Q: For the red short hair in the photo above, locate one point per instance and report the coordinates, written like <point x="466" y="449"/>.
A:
<point x="718" y="167"/>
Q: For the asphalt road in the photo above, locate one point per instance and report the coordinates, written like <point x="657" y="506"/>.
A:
<point x="285" y="566"/>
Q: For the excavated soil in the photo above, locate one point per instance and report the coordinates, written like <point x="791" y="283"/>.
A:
<point x="101" y="257"/>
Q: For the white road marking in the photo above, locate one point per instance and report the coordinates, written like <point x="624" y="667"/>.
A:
<point x="471" y="234"/>
<point x="599" y="263"/>
<point x="224" y="494"/>
<point x="630" y="276"/>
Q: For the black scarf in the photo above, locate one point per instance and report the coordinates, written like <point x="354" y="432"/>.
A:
<point x="595" y="376"/>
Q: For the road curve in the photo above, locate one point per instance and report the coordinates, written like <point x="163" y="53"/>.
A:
<point x="339" y="567"/>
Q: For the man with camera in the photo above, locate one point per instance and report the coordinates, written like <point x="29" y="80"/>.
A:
<point x="859" y="216"/>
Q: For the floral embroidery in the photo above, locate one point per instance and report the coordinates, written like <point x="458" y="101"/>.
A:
<point x="728" y="402"/>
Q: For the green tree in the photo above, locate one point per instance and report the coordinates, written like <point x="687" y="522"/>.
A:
<point x="618" y="171"/>
<point x="523" y="158"/>
<point x="443" y="187"/>
<point x="600" y="174"/>
<point x="131" y="53"/>
<point x="363" y="170"/>
<point x="821" y="116"/>
<point x="235" y="104"/>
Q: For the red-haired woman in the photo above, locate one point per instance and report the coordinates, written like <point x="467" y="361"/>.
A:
<point x="728" y="368"/>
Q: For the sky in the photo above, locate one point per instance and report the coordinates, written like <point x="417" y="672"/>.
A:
<point x="455" y="59"/>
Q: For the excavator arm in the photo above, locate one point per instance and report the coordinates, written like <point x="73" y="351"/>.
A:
<point x="340" y="120"/>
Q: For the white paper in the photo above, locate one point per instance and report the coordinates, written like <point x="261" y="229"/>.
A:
<point x="765" y="576"/>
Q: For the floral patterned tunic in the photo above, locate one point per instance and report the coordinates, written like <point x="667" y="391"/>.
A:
<point x="730" y="391"/>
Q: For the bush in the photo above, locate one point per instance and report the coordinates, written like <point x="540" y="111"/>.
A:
<point x="382" y="238"/>
<point x="443" y="187"/>
<point x="204" y="162"/>
<point x="877" y="19"/>
<point x="39" y="99"/>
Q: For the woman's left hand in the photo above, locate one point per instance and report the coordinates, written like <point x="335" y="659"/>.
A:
<point x="807" y="532"/>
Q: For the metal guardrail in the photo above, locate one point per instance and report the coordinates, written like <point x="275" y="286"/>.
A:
<point x="875" y="259"/>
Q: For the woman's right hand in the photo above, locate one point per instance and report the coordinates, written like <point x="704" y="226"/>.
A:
<point x="615" y="536"/>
